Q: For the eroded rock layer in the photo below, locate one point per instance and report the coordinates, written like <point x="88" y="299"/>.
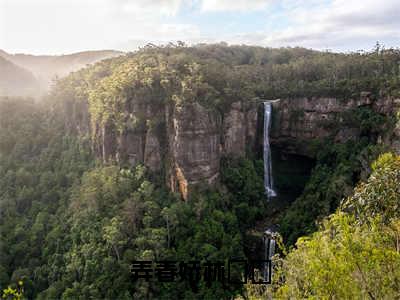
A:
<point x="188" y="140"/>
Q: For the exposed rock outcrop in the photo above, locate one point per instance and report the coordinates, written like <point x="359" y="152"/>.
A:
<point x="234" y="131"/>
<point x="239" y="132"/>
<point x="194" y="143"/>
<point x="152" y="151"/>
<point x="187" y="140"/>
<point x="297" y="122"/>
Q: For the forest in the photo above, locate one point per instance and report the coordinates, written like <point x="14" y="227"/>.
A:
<point x="72" y="223"/>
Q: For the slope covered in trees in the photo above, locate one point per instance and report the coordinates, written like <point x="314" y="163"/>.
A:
<point x="71" y="225"/>
<point x="72" y="228"/>
<point x="46" y="68"/>
<point x="218" y="74"/>
<point x="355" y="253"/>
<point x="16" y="81"/>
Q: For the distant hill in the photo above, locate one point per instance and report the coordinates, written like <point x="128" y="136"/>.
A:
<point x="16" y="81"/>
<point x="48" y="67"/>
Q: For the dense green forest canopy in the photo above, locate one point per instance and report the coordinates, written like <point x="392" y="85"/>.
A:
<point x="71" y="225"/>
<point x="217" y="75"/>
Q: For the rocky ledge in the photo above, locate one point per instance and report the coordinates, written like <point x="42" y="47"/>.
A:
<point x="187" y="141"/>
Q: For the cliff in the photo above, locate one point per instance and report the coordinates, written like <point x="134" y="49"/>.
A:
<point x="186" y="141"/>
<point x="298" y="122"/>
<point x="179" y="110"/>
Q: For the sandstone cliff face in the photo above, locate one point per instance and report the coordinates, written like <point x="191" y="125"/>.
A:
<point x="239" y="132"/>
<point x="194" y="144"/>
<point x="198" y="137"/>
<point x="390" y="106"/>
<point x="152" y="151"/>
<point x="234" y="131"/>
<point x="188" y="140"/>
<point x="136" y="142"/>
<point x="297" y="122"/>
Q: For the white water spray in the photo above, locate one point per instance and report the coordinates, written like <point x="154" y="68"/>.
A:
<point x="268" y="182"/>
<point x="269" y="251"/>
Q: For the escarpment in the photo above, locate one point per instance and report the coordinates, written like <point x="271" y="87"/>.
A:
<point x="178" y="110"/>
<point x="187" y="140"/>
<point x="194" y="146"/>
<point x="240" y="128"/>
<point x="300" y="121"/>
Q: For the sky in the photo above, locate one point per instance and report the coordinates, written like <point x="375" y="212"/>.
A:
<point x="66" y="26"/>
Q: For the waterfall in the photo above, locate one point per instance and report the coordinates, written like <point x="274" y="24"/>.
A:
<point x="268" y="183"/>
<point x="269" y="248"/>
<point x="269" y="235"/>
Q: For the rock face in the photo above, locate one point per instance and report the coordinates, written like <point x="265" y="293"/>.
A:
<point x="234" y="134"/>
<point x="240" y="129"/>
<point x="194" y="144"/>
<point x="152" y="151"/>
<point x="187" y="140"/>
<point x="198" y="137"/>
<point x="390" y="106"/>
<point x="298" y="122"/>
<point x="138" y="141"/>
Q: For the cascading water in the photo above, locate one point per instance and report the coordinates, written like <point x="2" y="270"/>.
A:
<point x="269" y="235"/>
<point x="269" y="248"/>
<point x="268" y="182"/>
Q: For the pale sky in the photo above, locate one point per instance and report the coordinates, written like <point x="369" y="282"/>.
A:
<point x="65" y="26"/>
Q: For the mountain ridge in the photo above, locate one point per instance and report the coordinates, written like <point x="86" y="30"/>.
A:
<point x="16" y="80"/>
<point x="46" y="68"/>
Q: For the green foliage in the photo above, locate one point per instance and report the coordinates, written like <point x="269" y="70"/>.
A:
<point x="10" y="293"/>
<point x="379" y="195"/>
<point x="344" y="261"/>
<point x="244" y="180"/>
<point x="355" y="253"/>
<point x="117" y="216"/>
<point x="70" y="229"/>
<point x="366" y="120"/>
<point x="337" y="170"/>
<point x="38" y="165"/>
<point x="217" y="75"/>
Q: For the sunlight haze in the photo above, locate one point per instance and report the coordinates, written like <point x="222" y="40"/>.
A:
<point x="66" y="26"/>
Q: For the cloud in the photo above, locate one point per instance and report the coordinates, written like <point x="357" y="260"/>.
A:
<point x="148" y="7"/>
<point x="172" y="7"/>
<point x="48" y="26"/>
<point x="63" y="26"/>
<point x="233" y="5"/>
<point x="136" y="23"/>
<point x="163" y="34"/>
<point x="340" y="25"/>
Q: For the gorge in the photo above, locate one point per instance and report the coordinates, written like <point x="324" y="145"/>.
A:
<point x="189" y="140"/>
<point x="167" y="123"/>
<point x="169" y="153"/>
